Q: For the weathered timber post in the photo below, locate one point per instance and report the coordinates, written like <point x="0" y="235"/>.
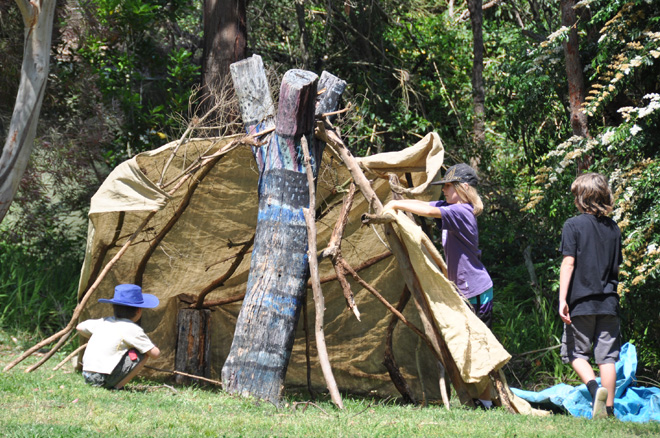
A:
<point x="193" y="344"/>
<point x="265" y="327"/>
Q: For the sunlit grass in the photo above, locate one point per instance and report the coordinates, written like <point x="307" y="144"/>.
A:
<point x="49" y="403"/>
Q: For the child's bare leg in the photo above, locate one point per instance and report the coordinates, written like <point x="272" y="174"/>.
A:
<point x="608" y="380"/>
<point x="132" y="374"/>
<point x="583" y="370"/>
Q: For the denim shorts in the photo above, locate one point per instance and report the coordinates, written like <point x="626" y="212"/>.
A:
<point x="123" y="368"/>
<point x="591" y="335"/>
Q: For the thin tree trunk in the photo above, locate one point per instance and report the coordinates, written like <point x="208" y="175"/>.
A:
<point x="225" y="40"/>
<point x="304" y="34"/>
<point x="38" y="21"/>
<point x="478" y="93"/>
<point x="574" y="75"/>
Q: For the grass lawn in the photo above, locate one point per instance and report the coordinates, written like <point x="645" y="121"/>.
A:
<point x="48" y="403"/>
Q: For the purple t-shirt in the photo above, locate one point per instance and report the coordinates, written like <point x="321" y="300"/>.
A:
<point x="460" y="240"/>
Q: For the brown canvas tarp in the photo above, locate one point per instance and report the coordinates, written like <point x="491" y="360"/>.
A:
<point x="221" y="216"/>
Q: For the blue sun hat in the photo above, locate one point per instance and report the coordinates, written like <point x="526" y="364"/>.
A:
<point x="131" y="295"/>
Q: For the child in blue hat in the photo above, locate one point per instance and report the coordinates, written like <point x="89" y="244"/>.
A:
<point x="118" y="347"/>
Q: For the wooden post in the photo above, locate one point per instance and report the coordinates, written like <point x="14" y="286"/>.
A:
<point x="193" y="344"/>
<point x="265" y="327"/>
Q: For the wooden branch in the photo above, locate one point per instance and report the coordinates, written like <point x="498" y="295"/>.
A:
<point x="50" y="353"/>
<point x="372" y="261"/>
<point x="308" y="361"/>
<point x="68" y="358"/>
<point x="155" y="242"/>
<point x="333" y="250"/>
<point x="221" y="280"/>
<point x="502" y="390"/>
<point x="334" y="245"/>
<point x="389" y="361"/>
<point x="386" y="303"/>
<point x="180" y="373"/>
<point x="319" y="301"/>
<point x="346" y="289"/>
<point x="370" y="219"/>
<point x="223" y="301"/>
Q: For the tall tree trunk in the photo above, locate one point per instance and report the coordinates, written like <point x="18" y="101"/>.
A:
<point x="478" y="93"/>
<point x="38" y="20"/>
<point x="576" y="92"/>
<point x="225" y="40"/>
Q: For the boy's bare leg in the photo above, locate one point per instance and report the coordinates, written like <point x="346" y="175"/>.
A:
<point x="132" y="374"/>
<point x="608" y="380"/>
<point x="583" y="370"/>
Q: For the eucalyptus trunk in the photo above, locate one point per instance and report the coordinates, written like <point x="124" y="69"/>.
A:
<point x="575" y="77"/>
<point x="478" y="92"/>
<point x="38" y="21"/>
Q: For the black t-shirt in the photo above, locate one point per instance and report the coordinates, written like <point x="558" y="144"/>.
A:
<point x="595" y="243"/>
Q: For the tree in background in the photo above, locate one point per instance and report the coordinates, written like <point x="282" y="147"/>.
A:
<point x="478" y="92"/>
<point x="574" y="74"/>
<point x="38" y="22"/>
<point x="224" y="42"/>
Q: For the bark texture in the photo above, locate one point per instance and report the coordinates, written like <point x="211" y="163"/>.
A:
<point x="478" y="92"/>
<point x="38" y="20"/>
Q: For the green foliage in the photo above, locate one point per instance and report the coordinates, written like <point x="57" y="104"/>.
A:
<point x="623" y="70"/>
<point x="137" y="72"/>
<point x="37" y="295"/>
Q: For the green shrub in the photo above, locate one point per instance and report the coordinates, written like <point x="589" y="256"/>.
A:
<point x="36" y="295"/>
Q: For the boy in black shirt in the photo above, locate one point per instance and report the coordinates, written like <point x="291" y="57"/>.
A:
<point x="588" y="299"/>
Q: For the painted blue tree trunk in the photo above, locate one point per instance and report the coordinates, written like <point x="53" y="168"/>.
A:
<point x="265" y="327"/>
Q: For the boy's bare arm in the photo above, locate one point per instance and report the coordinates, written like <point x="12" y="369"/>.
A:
<point x="565" y="275"/>
<point x="414" y="206"/>
<point x="153" y="353"/>
<point x="82" y="331"/>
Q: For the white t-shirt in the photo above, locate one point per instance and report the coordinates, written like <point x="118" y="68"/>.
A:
<point x="110" y="339"/>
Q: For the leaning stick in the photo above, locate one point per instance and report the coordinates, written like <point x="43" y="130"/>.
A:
<point x="368" y="263"/>
<point x="389" y="361"/>
<point x="503" y="390"/>
<point x="319" y="301"/>
<point x="308" y="362"/>
<point x="333" y="250"/>
<point x="50" y="353"/>
<point x="66" y="359"/>
<point x="181" y="373"/>
<point x="221" y="280"/>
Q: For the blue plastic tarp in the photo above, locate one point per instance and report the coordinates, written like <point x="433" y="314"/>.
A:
<point x="631" y="403"/>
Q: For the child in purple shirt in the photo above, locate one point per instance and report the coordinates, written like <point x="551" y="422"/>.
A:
<point x="456" y="216"/>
